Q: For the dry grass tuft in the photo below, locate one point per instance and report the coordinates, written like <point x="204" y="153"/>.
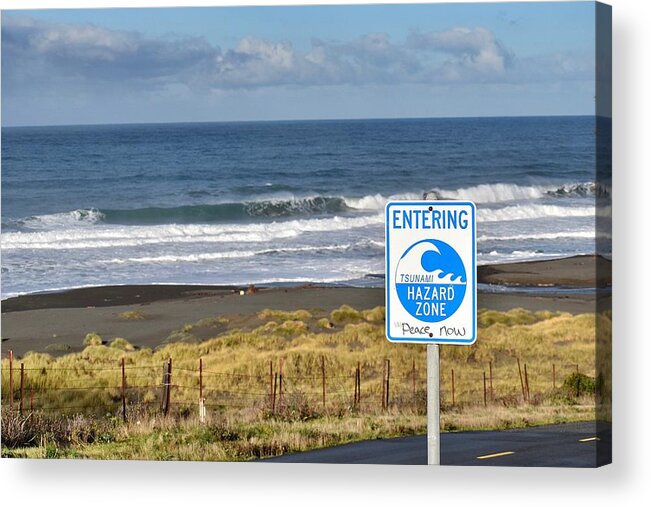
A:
<point x="122" y="344"/>
<point x="377" y="314"/>
<point x="92" y="340"/>
<point x="280" y="315"/>
<point x="345" y="314"/>
<point x="132" y="315"/>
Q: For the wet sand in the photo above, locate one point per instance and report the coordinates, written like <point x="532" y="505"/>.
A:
<point x="58" y="322"/>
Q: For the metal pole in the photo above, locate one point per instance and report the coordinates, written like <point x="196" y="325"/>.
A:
<point x="433" y="422"/>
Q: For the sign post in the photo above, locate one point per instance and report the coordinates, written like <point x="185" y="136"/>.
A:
<point x="433" y="406"/>
<point x="431" y="287"/>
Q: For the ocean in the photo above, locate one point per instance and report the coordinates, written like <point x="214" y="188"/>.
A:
<point x="280" y="202"/>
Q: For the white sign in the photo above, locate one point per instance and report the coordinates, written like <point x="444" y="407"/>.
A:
<point x="431" y="287"/>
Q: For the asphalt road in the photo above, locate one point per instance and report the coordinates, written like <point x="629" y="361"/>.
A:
<point x="567" y="445"/>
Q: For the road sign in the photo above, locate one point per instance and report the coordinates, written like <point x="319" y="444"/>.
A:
<point x="431" y="287"/>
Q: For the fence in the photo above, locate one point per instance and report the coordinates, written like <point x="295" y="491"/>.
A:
<point x="121" y="389"/>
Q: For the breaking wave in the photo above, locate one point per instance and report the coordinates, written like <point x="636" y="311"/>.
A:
<point x="247" y="212"/>
<point x="312" y="207"/>
<point x="504" y="192"/>
<point x="133" y="236"/>
<point x="533" y="211"/>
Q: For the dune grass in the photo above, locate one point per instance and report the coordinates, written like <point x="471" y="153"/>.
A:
<point x="92" y="340"/>
<point x="122" y="344"/>
<point x="237" y="385"/>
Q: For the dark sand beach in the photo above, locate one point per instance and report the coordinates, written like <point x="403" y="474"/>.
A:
<point x="58" y="322"/>
<point x="577" y="271"/>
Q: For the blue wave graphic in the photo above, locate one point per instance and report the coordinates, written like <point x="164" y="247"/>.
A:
<point x="442" y="257"/>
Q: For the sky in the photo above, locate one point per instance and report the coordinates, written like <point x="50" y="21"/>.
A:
<point x="95" y="66"/>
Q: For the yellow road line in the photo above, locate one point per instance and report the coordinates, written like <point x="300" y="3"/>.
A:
<point x="589" y="439"/>
<point x="496" y="455"/>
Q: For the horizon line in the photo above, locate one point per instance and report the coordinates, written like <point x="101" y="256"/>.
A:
<point x="290" y="120"/>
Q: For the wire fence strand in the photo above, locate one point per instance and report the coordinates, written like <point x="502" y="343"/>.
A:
<point x="123" y="386"/>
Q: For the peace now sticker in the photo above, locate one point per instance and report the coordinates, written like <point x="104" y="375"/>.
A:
<point x="431" y="288"/>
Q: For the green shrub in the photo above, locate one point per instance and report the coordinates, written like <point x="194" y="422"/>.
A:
<point x="578" y="384"/>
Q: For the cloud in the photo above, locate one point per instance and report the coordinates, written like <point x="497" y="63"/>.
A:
<point x="84" y="57"/>
<point x="470" y="51"/>
<point x="97" y="53"/>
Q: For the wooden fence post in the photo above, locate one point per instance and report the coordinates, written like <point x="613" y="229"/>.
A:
<point x="22" y="387"/>
<point x="124" y="394"/>
<point x="201" y="378"/>
<point x="485" y="389"/>
<point x="355" y="390"/>
<point x="526" y="381"/>
<point x="524" y="397"/>
<point x="358" y="384"/>
<point x="163" y="396"/>
<point x="453" y="401"/>
<point x="202" y="401"/>
<point x="490" y="370"/>
<point x="273" y="397"/>
<point x="323" y="381"/>
<point x="167" y="381"/>
<point x="413" y="377"/>
<point x="384" y="383"/>
<point x="271" y="381"/>
<point x="280" y="386"/>
<point x="11" y="380"/>
<point x="280" y="391"/>
<point x="388" y="380"/>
